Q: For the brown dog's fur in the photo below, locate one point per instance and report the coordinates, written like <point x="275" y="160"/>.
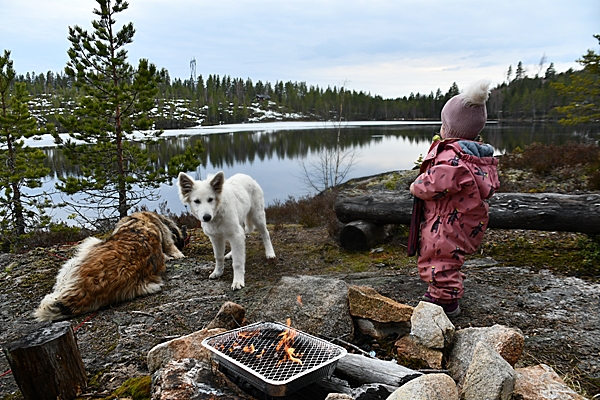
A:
<point x="126" y="265"/>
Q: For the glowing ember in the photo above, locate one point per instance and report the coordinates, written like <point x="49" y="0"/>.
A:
<point x="249" y="349"/>
<point x="248" y="335"/>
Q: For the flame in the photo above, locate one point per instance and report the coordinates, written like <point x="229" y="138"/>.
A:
<point x="290" y="354"/>
<point x="285" y="343"/>
<point x="287" y="339"/>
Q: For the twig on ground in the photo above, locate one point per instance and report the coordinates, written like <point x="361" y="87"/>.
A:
<point x="338" y="339"/>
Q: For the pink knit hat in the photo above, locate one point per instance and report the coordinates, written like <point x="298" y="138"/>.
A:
<point x="464" y="115"/>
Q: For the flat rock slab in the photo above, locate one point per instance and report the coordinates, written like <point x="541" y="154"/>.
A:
<point x="315" y="305"/>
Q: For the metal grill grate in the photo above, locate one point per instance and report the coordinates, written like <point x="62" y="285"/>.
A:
<point x="262" y="365"/>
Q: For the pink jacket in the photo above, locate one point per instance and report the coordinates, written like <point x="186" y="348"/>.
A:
<point x="457" y="176"/>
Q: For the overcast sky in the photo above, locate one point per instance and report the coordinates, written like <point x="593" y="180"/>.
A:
<point x="388" y="48"/>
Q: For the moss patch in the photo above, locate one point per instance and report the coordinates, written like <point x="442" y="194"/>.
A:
<point x="561" y="252"/>
<point x="133" y="388"/>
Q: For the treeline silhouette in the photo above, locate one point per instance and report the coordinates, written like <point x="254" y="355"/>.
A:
<point x="222" y="99"/>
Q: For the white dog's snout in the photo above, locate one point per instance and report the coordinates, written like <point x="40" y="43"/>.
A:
<point x="206" y="217"/>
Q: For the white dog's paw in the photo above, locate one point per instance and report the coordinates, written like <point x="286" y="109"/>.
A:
<point x="237" y="285"/>
<point x="215" y="275"/>
<point x="228" y="256"/>
<point x="271" y="256"/>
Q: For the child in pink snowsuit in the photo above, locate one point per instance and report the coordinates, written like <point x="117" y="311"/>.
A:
<point x="457" y="175"/>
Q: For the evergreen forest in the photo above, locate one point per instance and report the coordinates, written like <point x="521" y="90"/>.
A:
<point x="224" y="100"/>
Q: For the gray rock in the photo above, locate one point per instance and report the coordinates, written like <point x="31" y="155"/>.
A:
<point x="489" y="376"/>
<point x="431" y="327"/>
<point x="190" y="379"/>
<point x="380" y="330"/>
<point x="541" y="382"/>
<point x="318" y="306"/>
<point x="427" y="387"/>
<point x="188" y="346"/>
<point x="508" y="342"/>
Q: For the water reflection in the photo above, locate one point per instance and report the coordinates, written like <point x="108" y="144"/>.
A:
<point x="271" y="156"/>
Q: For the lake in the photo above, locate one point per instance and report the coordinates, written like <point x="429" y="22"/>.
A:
<point x="272" y="153"/>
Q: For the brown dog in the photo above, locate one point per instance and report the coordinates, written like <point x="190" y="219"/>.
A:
<point x="126" y="265"/>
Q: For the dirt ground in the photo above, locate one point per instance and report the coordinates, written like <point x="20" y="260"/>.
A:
<point x="559" y="315"/>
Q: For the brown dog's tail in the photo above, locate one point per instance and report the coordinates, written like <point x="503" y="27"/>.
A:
<point x="50" y="309"/>
<point x="52" y="306"/>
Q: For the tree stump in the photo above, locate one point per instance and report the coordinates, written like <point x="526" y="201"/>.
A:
<point x="46" y="363"/>
<point x="361" y="235"/>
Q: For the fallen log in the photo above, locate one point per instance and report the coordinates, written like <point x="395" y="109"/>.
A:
<point x="46" y="363"/>
<point x="532" y="211"/>
<point x="363" y="370"/>
<point x="361" y="235"/>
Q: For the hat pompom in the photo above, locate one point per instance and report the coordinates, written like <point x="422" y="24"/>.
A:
<point x="465" y="115"/>
<point x="477" y="93"/>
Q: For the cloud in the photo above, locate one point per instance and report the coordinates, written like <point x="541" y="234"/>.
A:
<point x="386" y="47"/>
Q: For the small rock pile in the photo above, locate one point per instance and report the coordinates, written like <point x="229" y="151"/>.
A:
<point x="471" y="363"/>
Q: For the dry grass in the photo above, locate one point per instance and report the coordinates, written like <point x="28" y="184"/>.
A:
<point x="576" y="163"/>
<point x="309" y="212"/>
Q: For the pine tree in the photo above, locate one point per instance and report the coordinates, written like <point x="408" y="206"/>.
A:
<point x="22" y="167"/>
<point x="520" y="73"/>
<point x="117" y="170"/>
<point x="509" y="74"/>
<point x="584" y="92"/>
<point x="453" y="91"/>
<point x="550" y="72"/>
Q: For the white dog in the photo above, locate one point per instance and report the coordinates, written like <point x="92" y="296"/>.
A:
<point x="224" y="208"/>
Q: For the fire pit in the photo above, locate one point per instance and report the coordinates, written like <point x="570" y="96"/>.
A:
<point x="273" y="357"/>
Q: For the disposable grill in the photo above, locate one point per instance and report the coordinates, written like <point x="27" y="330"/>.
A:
<point x="261" y="364"/>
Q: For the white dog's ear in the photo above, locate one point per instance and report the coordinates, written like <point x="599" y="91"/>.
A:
<point x="218" y="181"/>
<point x="185" y="184"/>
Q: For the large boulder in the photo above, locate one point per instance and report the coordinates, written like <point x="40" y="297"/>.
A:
<point x="508" y="342"/>
<point x="318" y="306"/>
<point x="489" y="376"/>
<point x="193" y="379"/>
<point x="189" y="346"/>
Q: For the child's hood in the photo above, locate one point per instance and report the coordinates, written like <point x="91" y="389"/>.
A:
<point x="484" y="166"/>
<point x="480" y="158"/>
<point x="476" y="149"/>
